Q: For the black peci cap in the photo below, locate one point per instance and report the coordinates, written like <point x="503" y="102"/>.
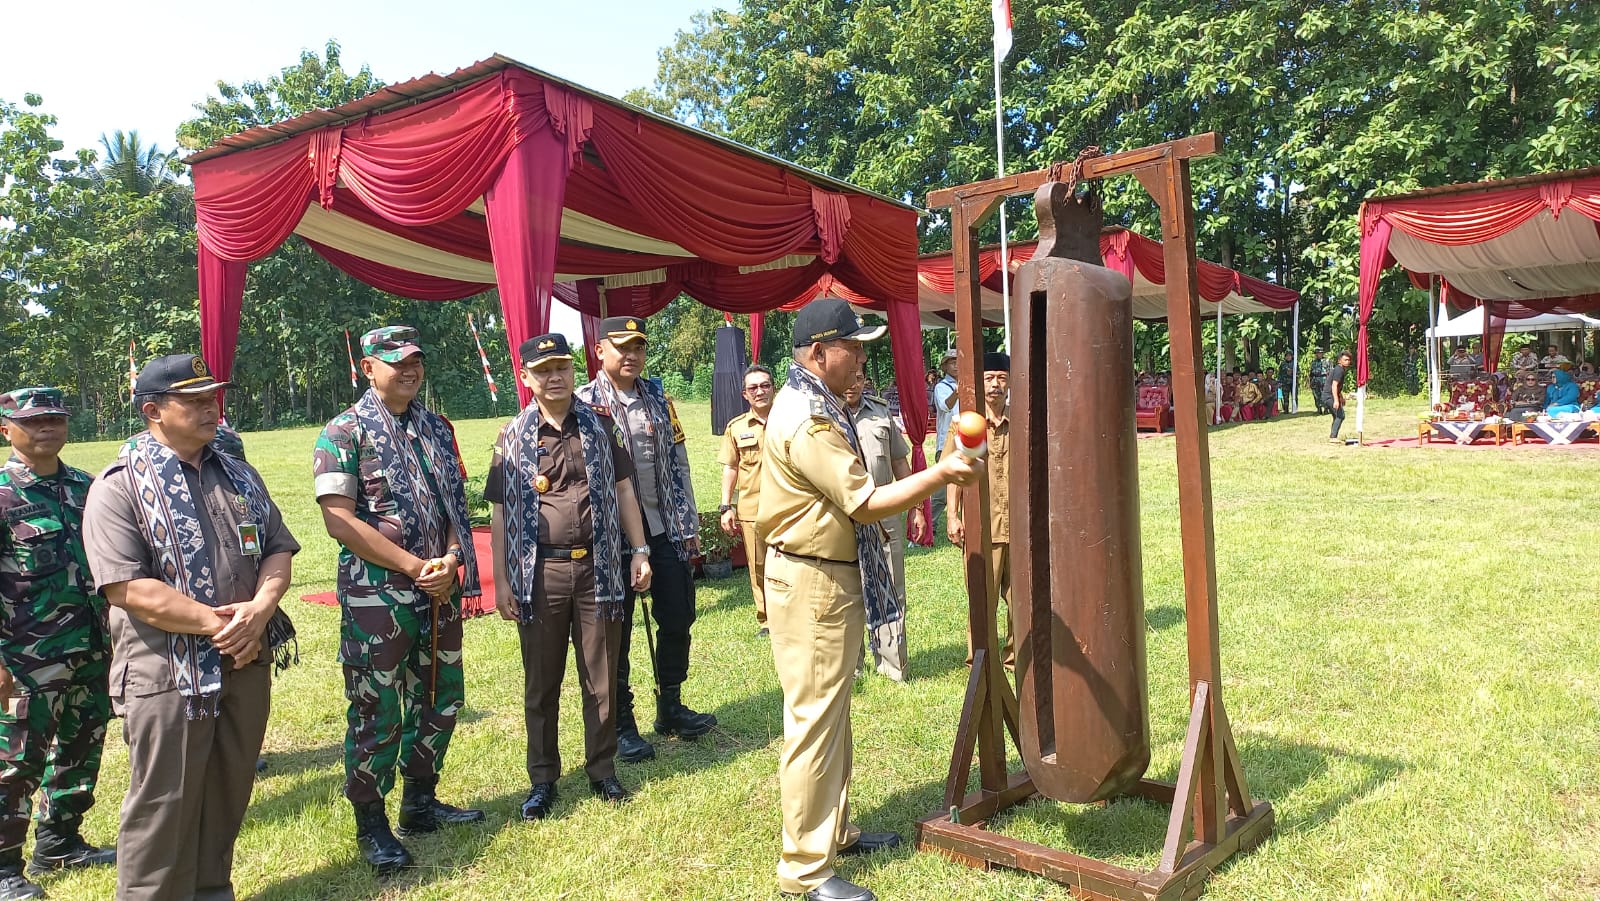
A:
<point x="831" y="319"/>
<point x="996" y="361"/>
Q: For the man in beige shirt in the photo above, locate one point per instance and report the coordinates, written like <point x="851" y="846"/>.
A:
<point x="741" y="469"/>
<point x="827" y="579"/>
<point x="996" y="374"/>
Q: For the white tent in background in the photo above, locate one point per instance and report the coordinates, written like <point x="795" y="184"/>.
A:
<point x="1470" y="324"/>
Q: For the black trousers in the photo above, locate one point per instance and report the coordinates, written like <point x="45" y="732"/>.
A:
<point x="1338" y="420"/>
<point x="672" y="607"/>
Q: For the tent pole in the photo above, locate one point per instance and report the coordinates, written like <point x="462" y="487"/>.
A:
<point x="1000" y="172"/>
<point x="1432" y="338"/>
<point x="1294" y="364"/>
<point x="1217" y="417"/>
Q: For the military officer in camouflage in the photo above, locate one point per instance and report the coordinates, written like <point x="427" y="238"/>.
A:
<point x="53" y="644"/>
<point x="391" y="486"/>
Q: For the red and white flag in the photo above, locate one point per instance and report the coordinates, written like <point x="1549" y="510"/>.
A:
<point x="350" y="352"/>
<point x="133" y="369"/>
<point x="483" y="358"/>
<point x="1001" y="11"/>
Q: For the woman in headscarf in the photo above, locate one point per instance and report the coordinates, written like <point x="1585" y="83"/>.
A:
<point x="1562" y="395"/>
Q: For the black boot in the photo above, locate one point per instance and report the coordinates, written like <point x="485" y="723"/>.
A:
<point x="421" y="811"/>
<point x="631" y="746"/>
<point x="378" y="845"/>
<point x="13" y="885"/>
<point x="59" y="846"/>
<point x="672" y="718"/>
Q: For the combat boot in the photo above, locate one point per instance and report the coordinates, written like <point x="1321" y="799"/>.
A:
<point x="13" y="885"/>
<point x="672" y="718"/>
<point x="59" y="846"/>
<point x="631" y="746"/>
<point x="421" y="810"/>
<point x="378" y="845"/>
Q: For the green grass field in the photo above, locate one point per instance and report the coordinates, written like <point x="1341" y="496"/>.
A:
<point x="1410" y="651"/>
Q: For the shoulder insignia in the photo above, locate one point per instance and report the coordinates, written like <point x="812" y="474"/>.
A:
<point x="25" y="511"/>
<point x="818" y="426"/>
<point x="677" y="427"/>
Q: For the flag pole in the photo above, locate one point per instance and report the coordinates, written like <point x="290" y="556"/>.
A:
<point x="1001" y="11"/>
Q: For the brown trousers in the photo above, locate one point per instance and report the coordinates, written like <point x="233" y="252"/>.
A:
<point x="190" y="786"/>
<point x="999" y="583"/>
<point x="755" y="555"/>
<point x="567" y="610"/>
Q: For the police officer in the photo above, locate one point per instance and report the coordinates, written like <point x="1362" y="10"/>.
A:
<point x="1319" y="379"/>
<point x="887" y="455"/>
<point x="655" y="440"/>
<point x="741" y="469"/>
<point x="53" y="644"/>
<point x="193" y="556"/>
<point x="561" y="487"/>
<point x="828" y="580"/>
<point x="996" y="398"/>
<point x="390" y="483"/>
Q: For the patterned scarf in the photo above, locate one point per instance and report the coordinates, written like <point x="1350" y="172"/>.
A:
<point x="683" y="521"/>
<point x="877" y="583"/>
<point x="408" y="482"/>
<point x="520" y="442"/>
<point x="170" y="519"/>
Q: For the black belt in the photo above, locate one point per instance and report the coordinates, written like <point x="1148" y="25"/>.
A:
<point x="812" y="559"/>
<point x="555" y="552"/>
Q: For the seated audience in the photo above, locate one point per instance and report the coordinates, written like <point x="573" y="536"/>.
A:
<point x="1525" y="358"/>
<point x="1554" y="358"/>
<point x="1527" y="395"/>
<point x="1562" y="394"/>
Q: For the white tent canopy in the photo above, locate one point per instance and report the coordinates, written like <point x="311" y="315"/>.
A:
<point x="1470" y="324"/>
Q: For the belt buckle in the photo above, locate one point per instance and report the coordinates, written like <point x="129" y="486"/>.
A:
<point x="578" y="553"/>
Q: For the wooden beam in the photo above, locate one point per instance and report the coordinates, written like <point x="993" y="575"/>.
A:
<point x="1094" y="167"/>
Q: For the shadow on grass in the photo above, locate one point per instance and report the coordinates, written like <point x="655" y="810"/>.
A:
<point x="1164" y="617"/>
<point x="931" y="663"/>
<point x="1129" y="831"/>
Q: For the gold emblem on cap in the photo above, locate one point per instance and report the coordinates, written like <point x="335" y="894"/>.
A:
<point x="541" y="483"/>
<point x="631" y="324"/>
<point x="199" y="366"/>
<point x="546" y="344"/>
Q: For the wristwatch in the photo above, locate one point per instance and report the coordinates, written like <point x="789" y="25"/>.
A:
<point x="455" y="551"/>
<point x="724" y="508"/>
<point x="641" y="549"/>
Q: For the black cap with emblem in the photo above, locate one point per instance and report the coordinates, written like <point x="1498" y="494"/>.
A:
<point x="831" y="319"/>
<point x="176" y="374"/>
<point x="622" y="329"/>
<point x="539" y="348"/>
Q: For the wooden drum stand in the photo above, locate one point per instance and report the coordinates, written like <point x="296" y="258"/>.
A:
<point x="1213" y="815"/>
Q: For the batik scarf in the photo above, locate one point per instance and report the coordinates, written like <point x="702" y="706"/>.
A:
<point x="520" y="446"/>
<point x="683" y="521"/>
<point x="408" y="482"/>
<point x="170" y="519"/>
<point x="877" y="584"/>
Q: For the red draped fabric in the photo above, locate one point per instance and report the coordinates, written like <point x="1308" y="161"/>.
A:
<point x="1458" y="220"/>
<point x="589" y="292"/>
<point x="519" y="141"/>
<point x="758" y="325"/>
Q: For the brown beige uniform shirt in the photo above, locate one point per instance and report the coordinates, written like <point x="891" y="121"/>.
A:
<point x="118" y="552"/>
<point x="741" y="449"/>
<point x="999" y="476"/>
<point x="811" y="481"/>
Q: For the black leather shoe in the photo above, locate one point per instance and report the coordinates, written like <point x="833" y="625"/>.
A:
<point x="763" y="632"/>
<point x="378" y="845"/>
<point x="673" y="718"/>
<point x="610" y="789"/>
<point x="422" y="812"/>
<point x="631" y="746"/>
<point x="837" y="889"/>
<point x="540" y="799"/>
<point x="73" y="857"/>
<point x="870" y="842"/>
<point x="15" y="887"/>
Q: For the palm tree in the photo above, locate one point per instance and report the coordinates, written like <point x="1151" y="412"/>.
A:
<point x="137" y="168"/>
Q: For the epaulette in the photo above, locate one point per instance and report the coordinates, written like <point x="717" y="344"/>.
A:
<point x="818" y="408"/>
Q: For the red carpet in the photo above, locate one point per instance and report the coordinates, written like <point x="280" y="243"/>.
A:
<point x="470" y="607"/>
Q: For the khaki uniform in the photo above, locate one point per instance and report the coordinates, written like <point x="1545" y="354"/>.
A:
<point x="191" y="779"/>
<point x="565" y="592"/>
<point x="741" y="450"/>
<point x="811" y="483"/>
<point x="881" y="444"/>
<point x="999" y="527"/>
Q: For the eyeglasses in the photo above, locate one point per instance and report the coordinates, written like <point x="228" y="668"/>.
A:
<point x="758" y="388"/>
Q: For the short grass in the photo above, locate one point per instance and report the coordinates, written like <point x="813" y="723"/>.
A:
<point x="1409" y="655"/>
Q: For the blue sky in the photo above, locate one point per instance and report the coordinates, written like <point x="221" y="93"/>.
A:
<point x="140" y="67"/>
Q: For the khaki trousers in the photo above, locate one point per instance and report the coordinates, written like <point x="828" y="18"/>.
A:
<point x="190" y="787"/>
<point x="817" y="617"/>
<point x="755" y="555"/>
<point x="566" y="609"/>
<point x="892" y="656"/>
<point x="999" y="583"/>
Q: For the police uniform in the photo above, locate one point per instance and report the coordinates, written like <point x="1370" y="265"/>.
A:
<point x="999" y="525"/>
<point x="564" y="593"/>
<point x="54" y="644"/>
<point x="882" y="443"/>
<point x="404" y="684"/>
<point x="741" y="449"/>
<point x="191" y="777"/>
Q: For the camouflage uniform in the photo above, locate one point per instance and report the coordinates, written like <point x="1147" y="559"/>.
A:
<point x="53" y="641"/>
<point x="384" y="640"/>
